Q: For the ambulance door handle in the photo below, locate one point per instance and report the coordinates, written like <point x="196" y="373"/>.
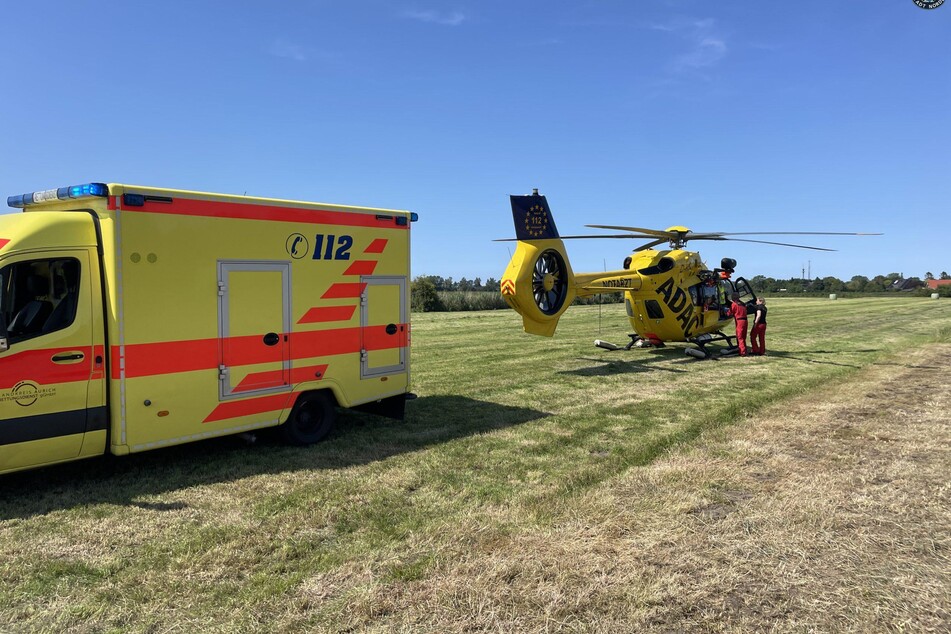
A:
<point x="271" y="339"/>
<point x="67" y="357"/>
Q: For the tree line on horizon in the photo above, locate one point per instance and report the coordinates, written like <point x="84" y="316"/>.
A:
<point x="434" y="293"/>
<point x="857" y="284"/>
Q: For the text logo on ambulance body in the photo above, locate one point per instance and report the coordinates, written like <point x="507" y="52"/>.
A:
<point x="25" y="393"/>
<point x="297" y="246"/>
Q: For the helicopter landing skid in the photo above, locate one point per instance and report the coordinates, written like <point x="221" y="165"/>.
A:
<point x="636" y="342"/>
<point x="701" y="351"/>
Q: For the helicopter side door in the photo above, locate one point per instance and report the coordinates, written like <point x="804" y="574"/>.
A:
<point x="742" y="288"/>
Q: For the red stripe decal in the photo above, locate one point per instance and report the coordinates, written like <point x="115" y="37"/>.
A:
<point x="376" y="338"/>
<point x="361" y="267"/>
<point x="376" y="246"/>
<point x="298" y="375"/>
<point x="249" y="349"/>
<point x="167" y="357"/>
<point x="247" y="407"/>
<point x="38" y="366"/>
<point x="345" y="290"/>
<point x="150" y="359"/>
<point x="305" y="345"/>
<point x="246" y="211"/>
<point x="322" y="314"/>
<point x="3" y="242"/>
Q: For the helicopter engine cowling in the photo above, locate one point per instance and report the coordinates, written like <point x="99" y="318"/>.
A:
<point x="539" y="284"/>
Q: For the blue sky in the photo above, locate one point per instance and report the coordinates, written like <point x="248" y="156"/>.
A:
<point x="727" y="116"/>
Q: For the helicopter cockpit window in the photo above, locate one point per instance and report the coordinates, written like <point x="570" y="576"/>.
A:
<point x="662" y="266"/>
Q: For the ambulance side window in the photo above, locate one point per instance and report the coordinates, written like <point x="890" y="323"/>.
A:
<point x="38" y="297"/>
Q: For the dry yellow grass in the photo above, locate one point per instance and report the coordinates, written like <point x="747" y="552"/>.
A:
<point x="828" y="513"/>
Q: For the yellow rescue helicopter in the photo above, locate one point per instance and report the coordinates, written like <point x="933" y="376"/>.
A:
<point x="669" y="294"/>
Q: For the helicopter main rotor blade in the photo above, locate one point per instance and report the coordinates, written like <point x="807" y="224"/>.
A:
<point x="654" y="233"/>
<point x="701" y="236"/>
<point x="650" y="245"/>
<point x="781" y="244"/>
<point x="623" y="236"/>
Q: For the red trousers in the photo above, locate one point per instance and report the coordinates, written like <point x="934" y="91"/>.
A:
<point x="758" y="338"/>
<point x="741" y="336"/>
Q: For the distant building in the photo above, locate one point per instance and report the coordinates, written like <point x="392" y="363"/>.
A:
<point x="902" y="284"/>
<point x="934" y="284"/>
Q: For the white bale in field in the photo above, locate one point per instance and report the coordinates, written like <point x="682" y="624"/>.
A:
<point x="935" y="296"/>
<point x="832" y="296"/>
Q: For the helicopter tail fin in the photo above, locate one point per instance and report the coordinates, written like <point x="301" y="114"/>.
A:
<point x="538" y="282"/>
<point x="533" y="219"/>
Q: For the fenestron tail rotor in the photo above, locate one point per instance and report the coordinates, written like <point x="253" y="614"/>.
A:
<point x="549" y="283"/>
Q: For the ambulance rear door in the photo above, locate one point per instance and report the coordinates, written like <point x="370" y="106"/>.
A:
<point x="383" y="326"/>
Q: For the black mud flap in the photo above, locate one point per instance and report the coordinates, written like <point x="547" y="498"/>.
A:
<point x="392" y="407"/>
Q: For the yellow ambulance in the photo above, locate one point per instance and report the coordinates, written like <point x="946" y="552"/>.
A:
<point x="134" y="317"/>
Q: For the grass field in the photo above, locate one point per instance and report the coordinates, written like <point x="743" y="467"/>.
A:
<point x="537" y="485"/>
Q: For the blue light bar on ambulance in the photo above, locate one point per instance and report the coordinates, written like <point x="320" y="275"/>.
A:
<point x="100" y="190"/>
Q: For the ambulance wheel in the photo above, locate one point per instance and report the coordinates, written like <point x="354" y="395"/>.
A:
<point x="312" y="418"/>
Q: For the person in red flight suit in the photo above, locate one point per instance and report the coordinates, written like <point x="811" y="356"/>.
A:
<point x="758" y="330"/>
<point x="738" y="313"/>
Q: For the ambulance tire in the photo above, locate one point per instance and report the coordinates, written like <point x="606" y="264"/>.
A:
<point x="312" y="418"/>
